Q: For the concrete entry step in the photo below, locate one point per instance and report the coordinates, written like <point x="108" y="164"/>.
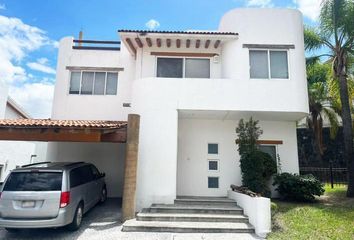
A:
<point x="169" y="208"/>
<point x="202" y="201"/>
<point x="190" y="217"/>
<point x="186" y="227"/>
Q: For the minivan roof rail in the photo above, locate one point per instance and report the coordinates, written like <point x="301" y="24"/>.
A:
<point x="74" y="163"/>
<point x="33" y="164"/>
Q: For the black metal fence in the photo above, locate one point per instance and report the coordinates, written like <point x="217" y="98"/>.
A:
<point x="330" y="175"/>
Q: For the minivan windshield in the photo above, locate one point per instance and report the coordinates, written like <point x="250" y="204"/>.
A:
<point x="34" y="181"/>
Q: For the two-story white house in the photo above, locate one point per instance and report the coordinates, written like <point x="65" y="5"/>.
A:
<point x="190" y="89"/>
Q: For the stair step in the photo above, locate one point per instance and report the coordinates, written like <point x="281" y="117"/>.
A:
<point x="169" y="208"/>
<point x="186" y="227"/>
<point x="202" y="201"/>
<point x="190" y="217"/>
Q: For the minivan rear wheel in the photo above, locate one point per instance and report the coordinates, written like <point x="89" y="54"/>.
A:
<point x="103" y="195"/>
<point x="76" y="223"/>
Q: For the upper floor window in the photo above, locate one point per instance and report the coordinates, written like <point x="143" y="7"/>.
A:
<point x="183" y="67"/>
<point x="269" y="64"/>
<point x="93" y="83"/>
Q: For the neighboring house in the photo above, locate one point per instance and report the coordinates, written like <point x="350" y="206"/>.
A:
<point x="13" y="153"/>
<point x="190" y="88"/>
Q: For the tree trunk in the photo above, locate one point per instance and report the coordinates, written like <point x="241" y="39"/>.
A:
<point x="347" y="132"/>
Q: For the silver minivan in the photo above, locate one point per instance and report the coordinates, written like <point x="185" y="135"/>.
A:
<point x="50" y="194"/>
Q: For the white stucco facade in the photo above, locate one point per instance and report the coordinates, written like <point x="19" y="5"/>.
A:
<point x="180" y="116"/>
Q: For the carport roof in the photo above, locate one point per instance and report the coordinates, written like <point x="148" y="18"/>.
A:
<point x="73" y="124"/>
<point x="63" y="130"/>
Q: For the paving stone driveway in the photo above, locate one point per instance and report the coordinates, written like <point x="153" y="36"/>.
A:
<point x="103" y="222"/>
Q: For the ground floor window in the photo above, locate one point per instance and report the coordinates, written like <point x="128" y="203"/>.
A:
<point x="213" y="182"/>
<point x="213" y="165"/>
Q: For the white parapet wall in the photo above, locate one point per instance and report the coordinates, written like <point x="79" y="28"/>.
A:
<point x="257" y="209"/>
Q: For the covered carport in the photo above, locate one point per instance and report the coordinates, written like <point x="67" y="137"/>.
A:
<point x="85" y="131"/>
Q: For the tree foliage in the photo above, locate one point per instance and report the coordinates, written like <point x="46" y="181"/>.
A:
<point x="256" y="166"/>
<point x="335" y="35"/>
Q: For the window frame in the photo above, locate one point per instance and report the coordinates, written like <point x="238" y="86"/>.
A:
<point x="94" y="78"/>
<point x="213" y="154"/>
<point x="184" y="65"/>
<point x="218" y="178"/>
<point x="218" y="165"/>
<point x="269" y="63"/>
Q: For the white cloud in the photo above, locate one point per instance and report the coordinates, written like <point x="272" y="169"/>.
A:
<point x="2" y="7"/>
<point x="152" y="24"/>
<point x="35" y="98"/>
<point x="41" y="65"/>
<point x="259" y="3"/>
<point x="310" y="8"/>
<point x="17" y="39"/>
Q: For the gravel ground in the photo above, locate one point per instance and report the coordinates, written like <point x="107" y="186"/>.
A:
<point x="103" y="222"/>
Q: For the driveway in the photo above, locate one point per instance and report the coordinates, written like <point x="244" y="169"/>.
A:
<point x="103" y="222"/>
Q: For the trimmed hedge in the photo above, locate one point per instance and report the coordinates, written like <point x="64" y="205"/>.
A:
<point x="298" y="188"/>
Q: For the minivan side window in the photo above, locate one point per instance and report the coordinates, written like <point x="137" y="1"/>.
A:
<point x="95" y="172"/>
<point x="80" y="175"/>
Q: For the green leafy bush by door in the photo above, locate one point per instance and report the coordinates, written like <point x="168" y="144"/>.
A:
<point x="256" y="166"/>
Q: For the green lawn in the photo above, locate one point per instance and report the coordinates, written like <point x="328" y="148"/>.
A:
<point x="331" y="217"/>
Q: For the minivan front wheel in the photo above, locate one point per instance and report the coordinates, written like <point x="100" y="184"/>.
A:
<point x="103" y="195"/>
<point x="76" y="223"/>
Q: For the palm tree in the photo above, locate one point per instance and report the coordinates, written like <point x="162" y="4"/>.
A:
<point x="320" y="109"/>
<point x="336" y="35"/>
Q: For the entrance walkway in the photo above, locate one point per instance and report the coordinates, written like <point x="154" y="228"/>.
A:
<point x="103" y="222"/>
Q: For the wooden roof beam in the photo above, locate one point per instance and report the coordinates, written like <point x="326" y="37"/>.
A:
<point x="188" y="43"/>
<point x="138" y="42"/>
<point x="207" y="43"/>
<point x="158" y="42"/>
<point x="217" y="43"/>
<point x="148" y="42"/>
<point x="131" y="45"/>
<point x="168" y="42"/>
<point x="197" y="43"/>
<point x="178" y="43"/>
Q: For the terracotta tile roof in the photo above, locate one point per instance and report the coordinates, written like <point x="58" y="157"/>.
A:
<point x="178" y="32"/>
<point x="73" y="124"/>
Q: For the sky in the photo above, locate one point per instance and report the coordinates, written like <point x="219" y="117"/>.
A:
<point x="30" y="31"/>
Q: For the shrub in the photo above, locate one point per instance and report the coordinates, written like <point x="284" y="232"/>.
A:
<point x="298" y="188"/>
<point x="256" y="166"/>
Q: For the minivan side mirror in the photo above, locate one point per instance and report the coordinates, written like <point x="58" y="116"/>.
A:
<point x="102" y="174"/>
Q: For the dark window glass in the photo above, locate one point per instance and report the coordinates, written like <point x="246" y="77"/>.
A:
<point x="271" y="150"/>
<point x="213" y="165"/>
<point x="213" y="148"/>
<point x="95" y="172"/>
<point x="170" y="67"/>
<point x="213" y="182"/>
<point x="34" y="181"/>
<point x="80" y="176"/>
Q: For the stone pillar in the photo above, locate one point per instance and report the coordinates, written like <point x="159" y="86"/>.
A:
<point x="130" y="171"/>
